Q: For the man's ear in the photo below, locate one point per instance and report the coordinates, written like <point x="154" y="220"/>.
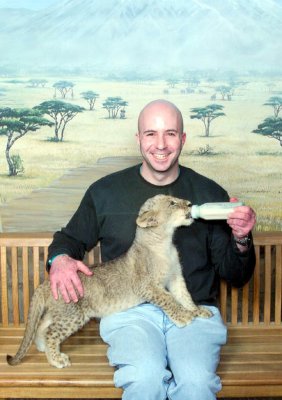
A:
<point x="147" y="219"/>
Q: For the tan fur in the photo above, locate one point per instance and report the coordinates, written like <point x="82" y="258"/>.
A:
<point x="149" y="272"/>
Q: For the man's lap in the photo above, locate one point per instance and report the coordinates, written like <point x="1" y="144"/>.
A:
<point x="145" y="341"/>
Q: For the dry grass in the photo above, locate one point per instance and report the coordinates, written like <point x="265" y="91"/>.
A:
<point x="246" y="164"/>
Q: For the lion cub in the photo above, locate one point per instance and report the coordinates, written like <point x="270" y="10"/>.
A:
<point x="149" y="271"/>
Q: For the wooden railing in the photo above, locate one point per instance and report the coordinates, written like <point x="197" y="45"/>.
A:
<point x="259" y="302"/>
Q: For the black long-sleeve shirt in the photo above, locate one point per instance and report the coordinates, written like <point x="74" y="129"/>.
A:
<point x="108" y="211"/>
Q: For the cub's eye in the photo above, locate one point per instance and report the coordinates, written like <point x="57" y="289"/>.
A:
<point x="173" y="203"/>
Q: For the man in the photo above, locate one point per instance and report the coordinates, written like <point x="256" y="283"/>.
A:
<point x="156" y="360"/>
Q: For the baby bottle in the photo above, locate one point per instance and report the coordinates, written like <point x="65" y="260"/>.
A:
<point x="214" y="210"/>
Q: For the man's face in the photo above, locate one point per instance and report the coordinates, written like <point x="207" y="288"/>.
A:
<point x="160" y="138"/>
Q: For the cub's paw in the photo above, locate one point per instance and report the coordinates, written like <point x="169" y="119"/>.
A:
<point x="203" y="312"/>
<point x="183" y="318"/>
<point x="61" y="361"/>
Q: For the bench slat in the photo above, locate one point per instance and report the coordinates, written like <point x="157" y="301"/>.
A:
<point x="278" y="286"/>
<point x="4" y="286"/>
<point x="242" y="358"/>
<point x="25" y="281"/>
<point x="256" y="281"/>
<point x="67" y="392"/>
<point x="267" y="284"/>
<point x="15" y="284"/>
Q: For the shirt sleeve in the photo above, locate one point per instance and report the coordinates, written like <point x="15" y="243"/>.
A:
<point x="81" y="233"/>
<point x="231" y="265"/>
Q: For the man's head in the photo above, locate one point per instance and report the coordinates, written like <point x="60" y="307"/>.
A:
<point x="161" y="138"/>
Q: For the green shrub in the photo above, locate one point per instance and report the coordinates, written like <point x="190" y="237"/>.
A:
<point x="17" y="165"/>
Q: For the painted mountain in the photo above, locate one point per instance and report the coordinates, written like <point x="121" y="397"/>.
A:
<point x="149" y="36"/>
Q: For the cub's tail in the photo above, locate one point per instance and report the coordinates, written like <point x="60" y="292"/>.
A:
<point x="36" y="310"/>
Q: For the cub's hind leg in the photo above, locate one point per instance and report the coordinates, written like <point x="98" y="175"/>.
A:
<point x="40" y="338"/>
<point x="61" y="328"/>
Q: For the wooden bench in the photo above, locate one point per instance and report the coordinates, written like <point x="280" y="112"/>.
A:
<point x="251" y="362"/>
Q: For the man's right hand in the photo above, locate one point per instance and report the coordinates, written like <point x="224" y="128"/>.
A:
<point x="64" y="278"/>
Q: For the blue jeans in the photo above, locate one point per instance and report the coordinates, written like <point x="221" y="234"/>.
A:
<point x="156" y="360"/>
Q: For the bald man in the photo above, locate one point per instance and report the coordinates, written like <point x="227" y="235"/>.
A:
<point x="154" y="359"/>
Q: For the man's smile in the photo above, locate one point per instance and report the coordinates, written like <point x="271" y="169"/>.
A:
<point x="160" y="156"/>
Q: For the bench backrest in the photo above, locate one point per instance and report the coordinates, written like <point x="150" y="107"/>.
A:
<point x="23" y="258"/>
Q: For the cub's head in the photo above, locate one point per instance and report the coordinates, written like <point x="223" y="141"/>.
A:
<point x="165" y="211"/>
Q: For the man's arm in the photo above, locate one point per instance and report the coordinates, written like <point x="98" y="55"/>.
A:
<point x="67" y="250"/>
<point x="242" y="220"/>
<point x="234" y="262"/>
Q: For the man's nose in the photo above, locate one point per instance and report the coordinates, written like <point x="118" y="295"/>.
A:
<point x="161" y="144"/>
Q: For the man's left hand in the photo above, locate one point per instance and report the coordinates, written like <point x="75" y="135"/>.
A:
<point x="241" y="220"/>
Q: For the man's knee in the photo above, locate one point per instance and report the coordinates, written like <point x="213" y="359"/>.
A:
<point x="150" y="381"/>
<point x="207" y="381"/>
<point x="202" y="385"/>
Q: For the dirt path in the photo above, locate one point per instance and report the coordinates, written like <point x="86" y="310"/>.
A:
<point x="48" y="209"/>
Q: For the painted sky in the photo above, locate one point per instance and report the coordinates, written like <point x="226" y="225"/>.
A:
<point x="29" y="4"/>
<point x="148" y="37"/>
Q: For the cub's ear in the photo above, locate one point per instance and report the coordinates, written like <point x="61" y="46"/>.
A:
<point x="147" y="219"/>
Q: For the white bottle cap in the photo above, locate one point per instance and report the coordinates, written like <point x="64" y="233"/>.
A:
<point x="195" y="211"/>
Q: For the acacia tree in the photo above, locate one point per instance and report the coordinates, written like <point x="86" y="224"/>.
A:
<point x="64" y="87"/>
<point x="15" y="123"/>
<point x="37" y="82"/>
<point x="113" y="105"/>
<point x="61" y="112"/>
<point x="90" y="97"/>
<point x="192" y="82"/>
<point x="172" y="82"/>
<point x="207" y="115"/>
<point x="271" y="127"/>
<point x="225" y="91"/>
<point x="276" y="103"/>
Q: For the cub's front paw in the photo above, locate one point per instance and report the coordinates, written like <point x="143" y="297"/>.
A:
<point x="203" y="312"/>
<point x="183" y="318"/>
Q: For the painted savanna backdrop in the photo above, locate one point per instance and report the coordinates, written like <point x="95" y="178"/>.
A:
<point x="74" y="75"/>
